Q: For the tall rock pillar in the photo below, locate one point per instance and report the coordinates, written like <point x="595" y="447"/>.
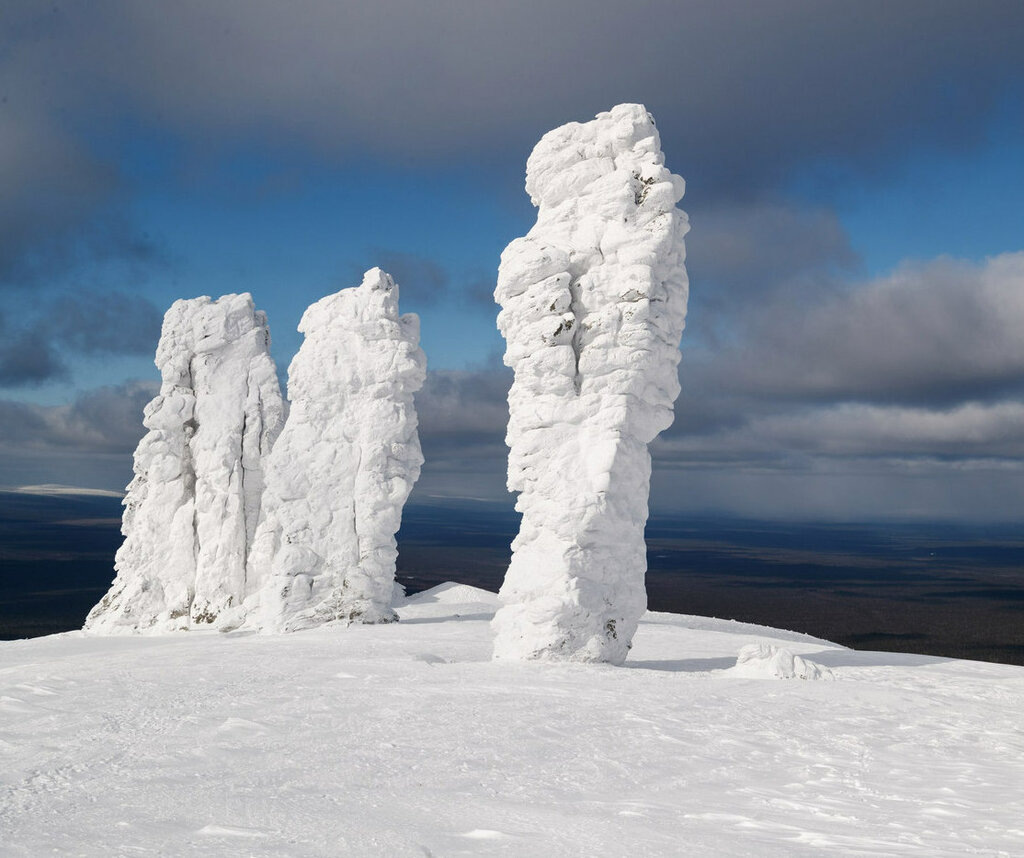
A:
<point x="593" y="305"/>
<point x="192" y="508"/>
<point x="344" y="465"/>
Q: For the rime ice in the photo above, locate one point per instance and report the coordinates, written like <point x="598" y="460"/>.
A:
<point x="593" y="304"/>
<point x="192" y="508"/>
<point x="344" y="465"/>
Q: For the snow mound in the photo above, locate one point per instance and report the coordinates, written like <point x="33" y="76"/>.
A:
<point x="451" y="593"/>
<point x="767" y="661"/>
<point x="593" y="305"/>
<point x="191" y="511"/>
<point x="344" y="465"/>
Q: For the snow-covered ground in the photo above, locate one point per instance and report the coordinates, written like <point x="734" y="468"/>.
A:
<point x="407" y="740"/>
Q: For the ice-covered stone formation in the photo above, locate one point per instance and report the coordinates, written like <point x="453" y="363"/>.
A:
<point x="192" y="508"/>
<point x="593" y="304"/>
<point x="767" y="661"/>
<point x="344" y="465"/>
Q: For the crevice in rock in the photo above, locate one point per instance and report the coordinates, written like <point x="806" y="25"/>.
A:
<point x="576" y="307"/>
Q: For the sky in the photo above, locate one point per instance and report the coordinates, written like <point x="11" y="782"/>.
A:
<point x="855" y="183"/>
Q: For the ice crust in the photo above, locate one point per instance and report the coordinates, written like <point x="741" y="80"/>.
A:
<point x="593" y="306"/>
<point x="343" y="466"/>
<point x="191" y="510"/>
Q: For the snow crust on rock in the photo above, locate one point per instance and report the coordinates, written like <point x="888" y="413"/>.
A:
<point x="767" y="661"/>
<point x="344" y="465"/>
<point x="593" y="306"/>
<point x="192" y="508"/>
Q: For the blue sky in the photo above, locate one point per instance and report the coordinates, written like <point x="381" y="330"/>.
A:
<point x="855" y="186"/>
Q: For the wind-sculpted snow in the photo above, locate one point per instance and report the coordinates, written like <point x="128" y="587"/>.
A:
<point x="344" y="465"/>
<point x="192" y="508"/>
<point x="593" y="304"/>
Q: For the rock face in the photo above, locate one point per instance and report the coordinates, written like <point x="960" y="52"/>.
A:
<point x="344" y="465"/>
<point x="593" y="305"/>
<point x="192" y="508"/>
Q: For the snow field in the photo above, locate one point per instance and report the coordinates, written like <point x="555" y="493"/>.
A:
<point x="408" y="740"/>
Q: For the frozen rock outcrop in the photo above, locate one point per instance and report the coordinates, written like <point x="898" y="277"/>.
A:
<point x="192" y="508"/>
<point x="767" y="661"/>
<point x="344" y="465"/>
<point x="593" y="304"/>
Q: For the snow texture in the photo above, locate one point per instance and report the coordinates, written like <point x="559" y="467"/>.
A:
<point x="192" y="508"/>
<point x="593" y="305"/>
<point x="407" y="740"/>
<point x="344" y="465"/>
<point x="767" y="661"/>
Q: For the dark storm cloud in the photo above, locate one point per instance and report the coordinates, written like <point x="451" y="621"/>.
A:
<point x="103" y="420"/>
<point x="871" y="434"/>
<point x="925" y="365"/>
<point x="78" y="323"/>
<point x="790" y="367"/>
<point x="464" y="405"/>
<point x="28" y="357"/>
<point x="51" y="186"/>
<point x="61" y="203"/>
<point x="743" y="253"/>
<point x="744" y="90"/>
<point x="939" y="333"/>
<point x="97" y="323"/>
<point x="462" y="419"/>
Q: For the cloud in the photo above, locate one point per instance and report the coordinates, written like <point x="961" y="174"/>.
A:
<point x="972" y="431"/>
<point x="103" y="420"/>
<point x="941" y="332"/>
<point x="462" y="406"/>
<point x="28" y="357"/>
<point x="898" y="396"/>
<point x="745" y="90"/>
<point x="969" y="432"/>
<point x="52" y="185"/>
<point x="742" y="252"/>
<point x="96" y="323"/>
<point x="424" y="282"/>
<point x="62" y="206"/>
<point x="421" y="280"/>
<point x="920" y="393"/>
<point x="477" y="292"/>
<point x="86" y="323"/>
<point x="87" y="442"/>
<point x="462" y="419"/>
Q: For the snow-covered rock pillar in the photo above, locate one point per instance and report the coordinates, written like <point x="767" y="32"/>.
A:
<point x="344" y="465"/>
<point x="593" y="305"/>
<point x="192" y="508"/>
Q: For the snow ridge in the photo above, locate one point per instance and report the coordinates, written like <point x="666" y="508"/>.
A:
<point x="192" y="507"/>
<point x="340" y="473"/>
<point x="593" y="306"/>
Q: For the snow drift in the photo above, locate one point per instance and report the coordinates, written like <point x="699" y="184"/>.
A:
<point x="192" y="508"/>
<point x="344" y="465"/>
<point x="593" y="305"/>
